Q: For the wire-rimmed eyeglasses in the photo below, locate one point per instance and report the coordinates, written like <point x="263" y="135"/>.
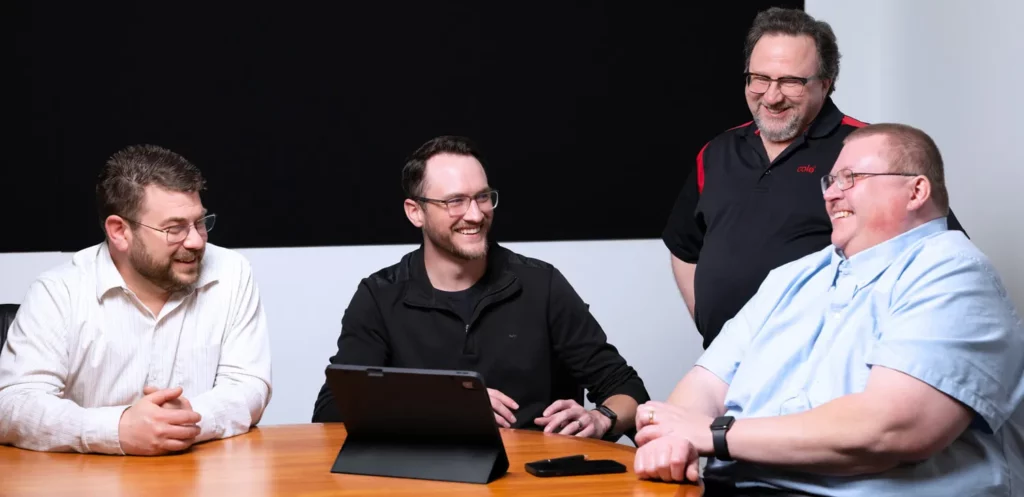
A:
<point x="458" y="205"/>
<point x="845" y="178"/>
<point x="179" y="232"/>
<point x="790" y="86"/>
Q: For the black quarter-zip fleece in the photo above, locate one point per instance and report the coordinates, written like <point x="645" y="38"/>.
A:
<point x="531" y="336"/>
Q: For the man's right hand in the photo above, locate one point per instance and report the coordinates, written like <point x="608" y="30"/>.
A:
<point x="147" y="429"/>
<point x="670" y="458"/>
<point x="502" y="406"/>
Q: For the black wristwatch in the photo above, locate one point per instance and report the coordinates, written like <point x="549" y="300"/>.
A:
<point x="719" y="427"/>
<point x="611" y="415"/>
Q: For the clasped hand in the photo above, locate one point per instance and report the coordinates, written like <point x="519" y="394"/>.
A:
<point x="161" y="422"/>
<point x="564" y="416"/>
<point x="670" y="440"/>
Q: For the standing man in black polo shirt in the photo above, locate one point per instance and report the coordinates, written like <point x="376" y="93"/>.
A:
<point x="461" y="302"/>
<point x="753" y="203"/>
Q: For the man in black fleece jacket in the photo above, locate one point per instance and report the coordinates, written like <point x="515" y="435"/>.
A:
<point x="461" y="302"/>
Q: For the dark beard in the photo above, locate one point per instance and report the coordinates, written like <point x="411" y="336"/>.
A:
<point x="162" y="275"/>
<point x="446" y="244"/>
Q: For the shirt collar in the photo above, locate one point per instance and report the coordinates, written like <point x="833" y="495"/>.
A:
<point x="869" y="263"/>
<point x="109" y="278"/>
<point x="828" y="119"/>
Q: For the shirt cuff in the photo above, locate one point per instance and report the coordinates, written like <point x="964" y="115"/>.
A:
<point x="717" y="363"/>
<point x="208" y="411"/>
<point x="100" y="432"/>
<point x="633" y="388"/>
<point x="687" y="255"/>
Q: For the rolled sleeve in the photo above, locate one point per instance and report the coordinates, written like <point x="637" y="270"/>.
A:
<point x="632" y="387"/>
<point x="953" y="327"/>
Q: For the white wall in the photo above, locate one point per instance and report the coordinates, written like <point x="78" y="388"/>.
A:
<point x="952" y="68"/>
<point x="19" y="270"/>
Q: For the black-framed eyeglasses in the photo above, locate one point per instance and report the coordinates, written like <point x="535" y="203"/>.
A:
<point x="790" y="86"/>
<point x="179" y="232"/>
<point x="844" y="178"/>
<point x="458" y="206"/>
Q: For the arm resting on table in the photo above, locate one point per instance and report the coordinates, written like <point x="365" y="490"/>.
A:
<point x="33" y="371"/>
<point x="242" y="387"/>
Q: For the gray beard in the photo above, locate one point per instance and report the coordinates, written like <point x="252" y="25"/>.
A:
<point x="786" y="133"/>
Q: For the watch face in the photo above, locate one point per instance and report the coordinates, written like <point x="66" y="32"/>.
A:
<point x="722" y="423"/>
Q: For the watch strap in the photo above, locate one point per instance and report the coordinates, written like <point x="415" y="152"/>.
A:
<point x="719" y="428"/>
<point x="610" y="414"/>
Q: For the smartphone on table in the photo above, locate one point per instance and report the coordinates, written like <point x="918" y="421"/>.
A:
<point x="573" y="466"/>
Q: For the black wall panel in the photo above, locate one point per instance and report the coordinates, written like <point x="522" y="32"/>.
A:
<point x="300" y="116"/>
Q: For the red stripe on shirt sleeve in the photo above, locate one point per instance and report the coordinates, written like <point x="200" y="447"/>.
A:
<point x="700" y="168"/>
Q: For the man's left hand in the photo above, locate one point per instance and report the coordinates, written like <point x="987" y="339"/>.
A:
<point x="567" y="417"/>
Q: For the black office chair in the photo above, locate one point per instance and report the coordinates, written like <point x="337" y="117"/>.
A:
<point x="7" y="312"/>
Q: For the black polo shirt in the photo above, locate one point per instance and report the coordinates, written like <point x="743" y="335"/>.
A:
<point x="740" y="215"/>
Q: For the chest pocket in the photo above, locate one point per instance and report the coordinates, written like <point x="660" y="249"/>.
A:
<point x="196" y="366"/>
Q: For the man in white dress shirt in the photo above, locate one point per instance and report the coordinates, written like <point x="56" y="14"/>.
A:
<point x="147" y="343"/>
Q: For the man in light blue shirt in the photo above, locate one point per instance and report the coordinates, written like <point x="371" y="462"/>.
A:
<point x="890" y="363"/>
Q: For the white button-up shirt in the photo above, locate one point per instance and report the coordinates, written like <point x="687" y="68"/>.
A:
<point x="83" y="346"/>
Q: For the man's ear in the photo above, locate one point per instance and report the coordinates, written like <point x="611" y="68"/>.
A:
<point x="118" y="232"/>
<point x="827" y="85"/>
<point x="414" y="211"/>
<point x="920" y="193"/>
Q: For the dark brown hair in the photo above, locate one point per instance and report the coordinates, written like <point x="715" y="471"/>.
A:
<point x="127" y="173"/>
<point x="416" y="164"/>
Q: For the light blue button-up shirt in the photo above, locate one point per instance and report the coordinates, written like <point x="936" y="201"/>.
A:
<point x="927" y="303"/>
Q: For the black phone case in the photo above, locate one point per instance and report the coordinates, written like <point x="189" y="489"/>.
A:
<point x="575" y="468"/>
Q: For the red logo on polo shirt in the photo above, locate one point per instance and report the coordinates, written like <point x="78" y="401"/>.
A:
<point x="805" y="169"/>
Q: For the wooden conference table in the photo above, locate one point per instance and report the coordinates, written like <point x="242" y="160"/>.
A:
<point x="296" y="460"/>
